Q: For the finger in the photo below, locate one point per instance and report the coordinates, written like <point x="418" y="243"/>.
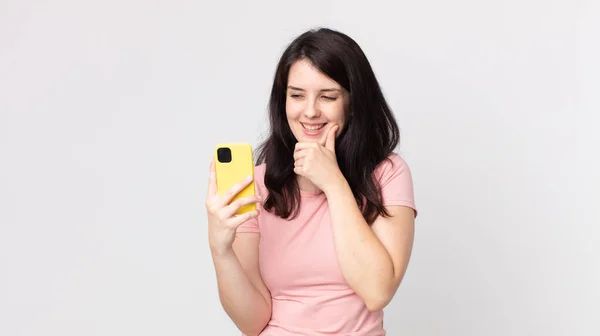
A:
<point x="212" y="179"/>
<point x="233" y="191"/>
<point x="330" y="139"/>
<point x="232" y="208"/>
<point x="298" y="171"/>
<point x="299" y="162"/>
<point x="305" y="145"/>
<point x="300" y="154"/>
<point x="239" y="220"/>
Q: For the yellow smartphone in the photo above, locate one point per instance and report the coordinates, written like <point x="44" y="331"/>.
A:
<point x="233" y="162"/>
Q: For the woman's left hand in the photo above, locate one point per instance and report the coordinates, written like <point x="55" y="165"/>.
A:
<point x="318" y="162"/>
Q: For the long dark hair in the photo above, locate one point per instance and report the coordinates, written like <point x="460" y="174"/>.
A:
<point x="369" y="136"/>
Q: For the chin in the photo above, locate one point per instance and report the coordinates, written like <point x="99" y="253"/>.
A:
<point x="311" y="135"/>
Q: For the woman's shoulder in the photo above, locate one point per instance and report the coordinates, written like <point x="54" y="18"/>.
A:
<point x="395" y="179"/>
<point x="394" y="162"/>
<point x="259" y="170"/>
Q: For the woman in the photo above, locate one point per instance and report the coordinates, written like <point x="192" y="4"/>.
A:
<point x="332" y="239"/>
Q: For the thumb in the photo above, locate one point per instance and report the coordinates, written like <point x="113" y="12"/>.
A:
<point x="330" y="140"/>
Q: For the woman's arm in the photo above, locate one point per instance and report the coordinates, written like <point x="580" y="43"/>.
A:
<point x="242" y="291"/>
<point x="372" y="259"/>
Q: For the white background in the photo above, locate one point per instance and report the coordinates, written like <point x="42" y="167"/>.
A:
<point x="109" y="112"/>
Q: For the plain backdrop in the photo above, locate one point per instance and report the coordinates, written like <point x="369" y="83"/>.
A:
<point x="109" y="112"/>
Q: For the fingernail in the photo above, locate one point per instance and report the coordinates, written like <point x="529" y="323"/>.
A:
<point x="249" y="178"/>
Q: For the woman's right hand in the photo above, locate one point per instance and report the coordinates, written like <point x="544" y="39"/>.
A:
<point x="222" y="219"/>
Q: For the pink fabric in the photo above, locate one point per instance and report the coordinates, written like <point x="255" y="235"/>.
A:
<point x="298" y="263"/>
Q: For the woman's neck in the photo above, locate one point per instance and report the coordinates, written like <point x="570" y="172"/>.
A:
<point x="306" y="185"/>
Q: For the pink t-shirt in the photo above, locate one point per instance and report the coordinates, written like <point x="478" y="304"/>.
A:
<point x="299" y="266"/>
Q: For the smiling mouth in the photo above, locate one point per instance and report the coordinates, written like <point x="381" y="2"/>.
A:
<point x="313" y="128"/>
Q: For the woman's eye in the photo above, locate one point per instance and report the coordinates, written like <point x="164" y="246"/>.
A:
<point x="329" y="98"/>
<point x="296" y="96"/>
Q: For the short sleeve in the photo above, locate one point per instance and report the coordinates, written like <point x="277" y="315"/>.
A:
<point x="250" y="225"/>
<point x="396" y="182"/>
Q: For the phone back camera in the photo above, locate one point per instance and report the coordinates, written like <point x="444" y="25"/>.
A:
<point x="224" y="155"/>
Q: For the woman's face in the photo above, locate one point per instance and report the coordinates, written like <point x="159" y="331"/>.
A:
<point x="314" y="103"/>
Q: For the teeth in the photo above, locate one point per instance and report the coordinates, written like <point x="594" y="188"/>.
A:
<point x="313" y="128"/>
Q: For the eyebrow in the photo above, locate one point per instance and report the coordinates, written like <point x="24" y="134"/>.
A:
<point x="323" y="90"/>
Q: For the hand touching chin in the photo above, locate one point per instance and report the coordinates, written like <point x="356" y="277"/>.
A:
<point x="316" y="160"/>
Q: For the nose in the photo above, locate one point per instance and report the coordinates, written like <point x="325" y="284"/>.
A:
<point x="312" y="110"/>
